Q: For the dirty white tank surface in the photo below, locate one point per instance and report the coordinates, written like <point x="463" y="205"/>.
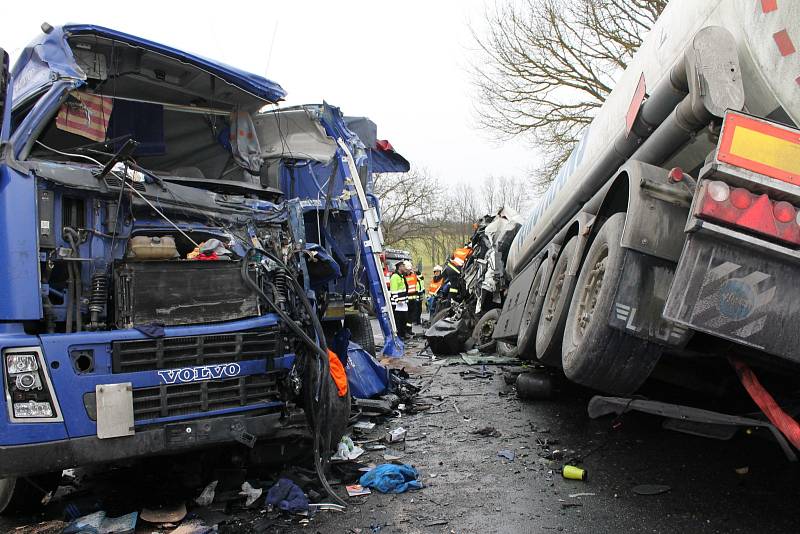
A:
<point x="767" y="33"/>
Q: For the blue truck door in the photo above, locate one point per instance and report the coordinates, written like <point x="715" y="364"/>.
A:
<point x="19" y="266"/>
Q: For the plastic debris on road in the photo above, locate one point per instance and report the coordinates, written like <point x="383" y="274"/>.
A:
<point x="207" y="496"/>
<point x="347" y="450"/>
<point x="250" y="493"/>
<point x="391" y="478"/>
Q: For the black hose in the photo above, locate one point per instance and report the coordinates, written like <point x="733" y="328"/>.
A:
<point x="74" y="270"/>
<point x="314" y="416"/>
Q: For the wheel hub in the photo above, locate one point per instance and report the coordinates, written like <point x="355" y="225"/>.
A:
<point x="590" y="293"/>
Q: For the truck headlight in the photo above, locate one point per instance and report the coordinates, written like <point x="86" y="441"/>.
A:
<point x="27" y="381"/>
<point x="21" y="363"/>
<point x="29" y="392"/>
<point x="32" y="409"/>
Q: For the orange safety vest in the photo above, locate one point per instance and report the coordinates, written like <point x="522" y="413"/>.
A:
<point x="434" y="286"/>
<point x="412" y="284"/>
<point x="460" y="256"/>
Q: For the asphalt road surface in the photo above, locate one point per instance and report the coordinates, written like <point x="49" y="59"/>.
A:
<point x="741" y="485"/>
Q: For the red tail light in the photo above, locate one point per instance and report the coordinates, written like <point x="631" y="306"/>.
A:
<point x="755" y="212"/>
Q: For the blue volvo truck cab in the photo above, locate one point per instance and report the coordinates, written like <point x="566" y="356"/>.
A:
<point x="157" y="288"/>
<point x="327" y="161"/>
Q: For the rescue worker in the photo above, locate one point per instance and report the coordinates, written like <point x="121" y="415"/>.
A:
<point x="414" y="295"/>
<point x="433" y="288"/>
<point x="399" y="296"/>
<point x="452" y="271"/>
<point x="421" y="293"/>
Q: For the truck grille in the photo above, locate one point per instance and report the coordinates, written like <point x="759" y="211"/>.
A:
<point x="174" y="352"/>
<point x="185" y="399"/>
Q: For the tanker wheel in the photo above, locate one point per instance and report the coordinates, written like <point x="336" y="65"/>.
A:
<point x="361" y="331"/>
<point x="550" y="328"/>
<point x="595" y="354"/>
<point x="507" y="350"/>
<point x="484" y="328"/>
<point x="526" y="338"/>
<point x="24" y="495"/>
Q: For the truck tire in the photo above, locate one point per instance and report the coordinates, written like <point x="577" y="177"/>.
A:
<point x="550" y="328"/>
<point x="507" y="350"/>
<point x="526" y="338"/>
<point x="482" y="333"/>
<point x="595" y="354"/>
<point x="361" y="331"/>
<point x="24" y="495"/>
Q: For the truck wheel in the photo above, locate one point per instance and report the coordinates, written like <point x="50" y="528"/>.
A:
<point x="507" y="350"/>
<point x="361" y="330"/>
<point x="595" y="354"/>
<point x="550" y="328"/>
<point x="526" y="338"/>
<point x="484" y="328"/>
<point x="24" y="495"/>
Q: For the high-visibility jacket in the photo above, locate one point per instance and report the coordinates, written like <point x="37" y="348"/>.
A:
<point x="398" y="292"/>
<point x="460" y="256"/>
<point x="412" y="286"/>
<point x="435" y="284"/>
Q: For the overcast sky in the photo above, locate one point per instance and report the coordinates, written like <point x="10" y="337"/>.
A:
<point x="403" y="64"/>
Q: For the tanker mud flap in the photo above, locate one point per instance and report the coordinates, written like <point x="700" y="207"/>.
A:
<point x="729" y="290"/>
<point x="639" y="302"/>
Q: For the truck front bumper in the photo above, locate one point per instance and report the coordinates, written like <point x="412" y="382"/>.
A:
<point x="165" y="439"/>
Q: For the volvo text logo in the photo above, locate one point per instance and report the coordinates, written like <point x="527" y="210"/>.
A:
<point x="205" y="372"/>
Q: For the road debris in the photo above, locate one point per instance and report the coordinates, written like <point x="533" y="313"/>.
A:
<point x="507" y="454"/>
<point x="287" y="496"/>
<point x="391" y="478"/>
<point x="572" y="472"/>
<point x="347" y="450"/>
<point x="651" y="489"/>
<point x="250" y="493"/>
<point x="206" y="497"/>
<point x="488" y="432"/>
<point x="396" y="435"/>
<point x="357" y="490"/>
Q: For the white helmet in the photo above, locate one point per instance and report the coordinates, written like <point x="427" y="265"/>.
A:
<point x="437" y="268"/>
<point x="408" y="265"/>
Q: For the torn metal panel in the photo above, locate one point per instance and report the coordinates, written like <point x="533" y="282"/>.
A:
<point x="293" y="133"/>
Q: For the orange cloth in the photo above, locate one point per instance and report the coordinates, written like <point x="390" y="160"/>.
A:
<point x="337" y="373"/>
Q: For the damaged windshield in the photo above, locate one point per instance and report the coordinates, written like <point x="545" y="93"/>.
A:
<point x="187" y="125"/>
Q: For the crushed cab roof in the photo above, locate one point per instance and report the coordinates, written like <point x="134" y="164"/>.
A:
<point x="50" y="56"/>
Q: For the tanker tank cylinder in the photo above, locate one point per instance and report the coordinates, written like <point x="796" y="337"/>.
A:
<point x="98" y="298"/>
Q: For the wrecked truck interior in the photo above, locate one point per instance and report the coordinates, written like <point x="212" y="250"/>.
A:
<point x="167" y="286"/>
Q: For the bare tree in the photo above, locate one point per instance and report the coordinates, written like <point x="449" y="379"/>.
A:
<point x="503" y="191"/>
<point x="546" y="66"/>
<point x="409" y="204"/>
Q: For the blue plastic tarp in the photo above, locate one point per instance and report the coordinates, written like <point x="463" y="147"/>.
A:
<point x="366" y="377"/>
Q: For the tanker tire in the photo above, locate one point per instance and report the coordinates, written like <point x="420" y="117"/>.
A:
<point x="482" y="333"/>
<point x="526" y="338"/>
<point x="595" y="354"/>
<point x="550" y="328"/>
<point x="507" y="350"/>
<point x="361" y="331"/>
